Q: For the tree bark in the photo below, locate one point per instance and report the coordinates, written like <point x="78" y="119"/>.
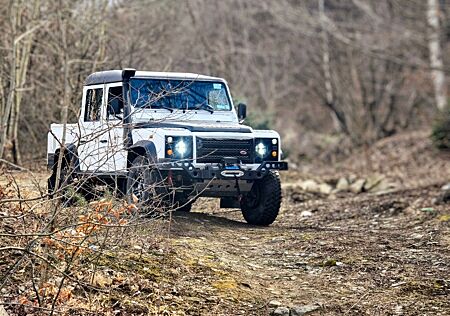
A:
<point x="21" y="78"/>
<point x="337" y="116"/>
<point x="5" y="120"/>
<point x="437" y="71"/>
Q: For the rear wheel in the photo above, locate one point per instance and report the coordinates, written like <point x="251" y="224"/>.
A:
<point x="65" y="189"/>
<point x="261" y="205"/>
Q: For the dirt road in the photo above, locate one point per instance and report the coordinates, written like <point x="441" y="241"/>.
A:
<point x="374" y="255"/>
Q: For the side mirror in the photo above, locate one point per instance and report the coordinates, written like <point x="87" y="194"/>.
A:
<point x="242" y="112"/>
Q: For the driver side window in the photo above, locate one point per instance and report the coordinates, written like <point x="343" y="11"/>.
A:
<point x="115" y="102"/>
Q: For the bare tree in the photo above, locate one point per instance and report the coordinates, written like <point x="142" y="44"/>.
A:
<point x="355" y="68"/>
<point x="25" y="22"/>
<point x="436" y="63"/>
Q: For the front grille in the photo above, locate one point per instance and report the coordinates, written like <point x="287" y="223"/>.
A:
<point x="212" y="150"/>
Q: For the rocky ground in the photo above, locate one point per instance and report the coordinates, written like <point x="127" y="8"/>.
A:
<point x="369" y="236"/>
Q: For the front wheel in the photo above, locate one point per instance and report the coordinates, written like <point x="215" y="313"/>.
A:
<point x="261" y="205"/>
<point x="145" y="186"/>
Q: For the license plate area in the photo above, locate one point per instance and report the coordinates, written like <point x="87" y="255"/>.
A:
<point x="232" y="167"/>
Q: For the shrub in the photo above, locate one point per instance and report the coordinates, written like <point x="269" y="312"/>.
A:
<point x="260" y="121"/>
<point x="441" y="132"/>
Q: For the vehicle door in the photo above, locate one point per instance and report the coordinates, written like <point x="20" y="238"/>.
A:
<point x="111" y="149"/>
<point x="90" y="125"/>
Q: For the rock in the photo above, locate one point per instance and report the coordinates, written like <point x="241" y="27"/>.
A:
<point x="342" y="185"/>
<point x="358" y="186"/>
<point x="314" y="187"/>
<point x="309" y="186"/>
<point x="444" y="197"/>
<point x="306" y="214"/>
<point x="382" y="186"/>
<point x="446" y="187"/>
<point x="274" y="304"/>
<point x="296" y="193"/>
<point x="281" y="311"/>
<point x="373" y="181"/>
<point x="325" y="188"/>
<point x="303" y="310"/>
<point x="352" y="178"/>
<point x="4" y="313"/>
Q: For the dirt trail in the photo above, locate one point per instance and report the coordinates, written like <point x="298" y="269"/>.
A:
<point x="386" y="254"/>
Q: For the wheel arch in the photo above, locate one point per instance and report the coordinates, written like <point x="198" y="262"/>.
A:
<point x="141" y="148"/>
<point x="70" y="152"/>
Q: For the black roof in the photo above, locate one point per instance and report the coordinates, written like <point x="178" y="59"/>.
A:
<point x="110" y="76"/>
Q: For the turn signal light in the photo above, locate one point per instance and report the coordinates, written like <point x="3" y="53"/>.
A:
<point x="169" y="152"/>
<point x="274" y="153"/>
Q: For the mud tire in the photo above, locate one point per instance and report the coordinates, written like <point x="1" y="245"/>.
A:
<point x="262" y="204"/>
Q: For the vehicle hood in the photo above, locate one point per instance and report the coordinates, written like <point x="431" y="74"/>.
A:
<point x="198" y="126"/>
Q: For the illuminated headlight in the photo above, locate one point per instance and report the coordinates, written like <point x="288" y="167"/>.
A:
<point x="266" y="149"/>
<point x="178" y="147"/>
<point x="181" y="148"/>
<point x="261" y="150"/>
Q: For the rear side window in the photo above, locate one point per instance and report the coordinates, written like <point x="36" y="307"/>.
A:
<point x="93" y="105"/>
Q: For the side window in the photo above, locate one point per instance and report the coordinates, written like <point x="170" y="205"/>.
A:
<point x="93" y="105"/>
<point x="115" y="102"/>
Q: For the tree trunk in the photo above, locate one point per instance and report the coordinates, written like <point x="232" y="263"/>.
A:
<point x="5" y="120"/>
<point x="23" y="61"/>
<point x="437" y="71"/>
<point x="338" y="118"/>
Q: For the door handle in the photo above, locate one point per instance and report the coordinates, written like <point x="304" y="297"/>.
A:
<point x="104" y="141"/>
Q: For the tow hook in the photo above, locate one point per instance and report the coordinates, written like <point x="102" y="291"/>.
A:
<point x="231" y="168"/>
<point x="232" y="173"/>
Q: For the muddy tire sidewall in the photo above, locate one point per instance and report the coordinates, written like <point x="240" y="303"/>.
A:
<point x="262" y="204"/>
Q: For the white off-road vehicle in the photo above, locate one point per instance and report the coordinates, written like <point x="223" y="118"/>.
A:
<point x="160" y="137"/>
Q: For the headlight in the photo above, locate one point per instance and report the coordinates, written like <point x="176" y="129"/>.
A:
<point x="179" y="147"/>
<point x="266" y="149"/>
<point x="261" y="150"/>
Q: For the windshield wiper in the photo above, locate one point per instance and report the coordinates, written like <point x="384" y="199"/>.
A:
<point x="162" y="107"/>
<point x="167" y="108"/>
<point x="205" y="107"/>
<point x="149" y="106"/>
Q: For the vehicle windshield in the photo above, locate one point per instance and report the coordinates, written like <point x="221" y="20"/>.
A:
<point x="179" y="94"/>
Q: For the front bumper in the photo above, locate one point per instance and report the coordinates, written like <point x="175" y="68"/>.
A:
<point x="225" y="170"/>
